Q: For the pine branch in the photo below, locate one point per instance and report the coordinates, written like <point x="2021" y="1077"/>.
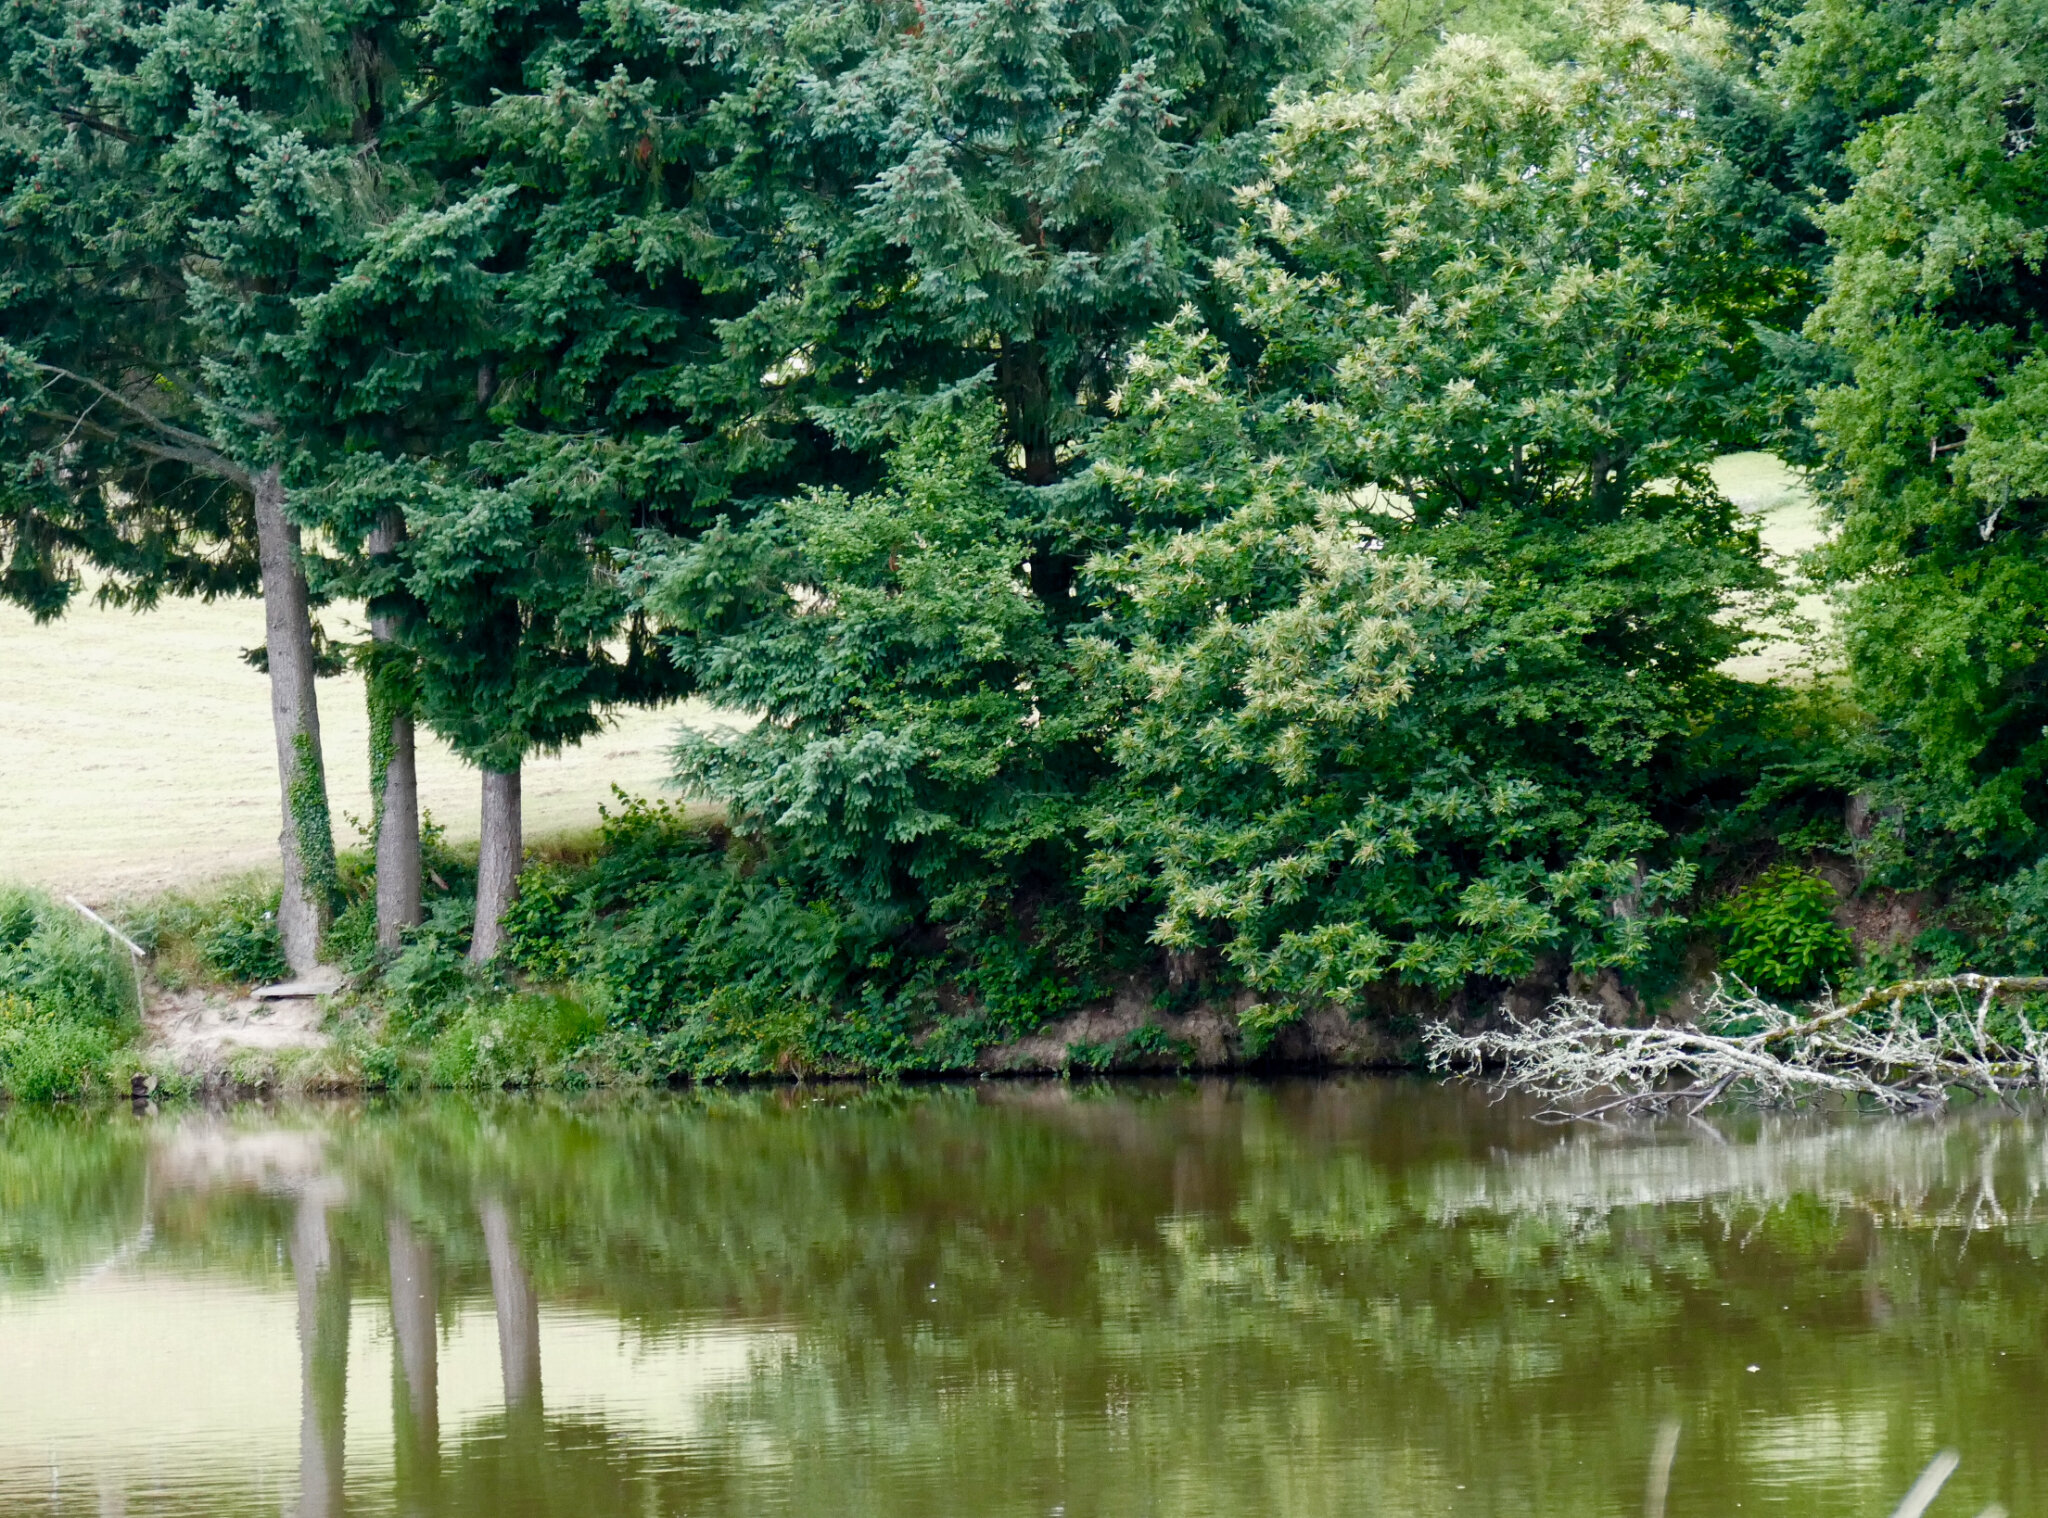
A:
<point x="180" y="446"/>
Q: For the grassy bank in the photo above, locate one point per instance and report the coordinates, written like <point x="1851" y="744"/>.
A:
<point x="662" y="949"/>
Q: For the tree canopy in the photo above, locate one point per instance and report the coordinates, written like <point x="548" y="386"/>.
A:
<point x="1219" y="492"/>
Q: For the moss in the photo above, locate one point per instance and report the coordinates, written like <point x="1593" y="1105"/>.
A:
<point x="312" y="824"/>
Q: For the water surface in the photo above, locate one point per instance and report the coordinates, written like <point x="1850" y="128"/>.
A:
<point x="1302" y="1299"/>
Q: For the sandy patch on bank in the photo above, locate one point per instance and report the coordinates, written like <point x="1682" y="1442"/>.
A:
<point x="203" y="1030"/>
<point x="136" y="753"/>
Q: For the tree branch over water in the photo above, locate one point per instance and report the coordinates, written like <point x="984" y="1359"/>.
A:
<point x="1903" y="1045"/>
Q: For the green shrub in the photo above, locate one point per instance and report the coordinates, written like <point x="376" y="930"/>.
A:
<point x="431" y="979"/>
<point x="230" y="934"/>
<point x="59" y="967"/>
<point x="241" y="941"/>
<point x="524" y="1039"/>
<point x="1143" y="1045"/>
<point x="67" y="1000"/>
<point x="2022" y="947"/>
<point x="45" y="1059"/>
<point x="540" y="934"/>
<point x="1780" y="933"/>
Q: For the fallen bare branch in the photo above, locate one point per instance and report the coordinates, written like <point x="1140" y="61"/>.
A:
<point x="1902" y="1045"/>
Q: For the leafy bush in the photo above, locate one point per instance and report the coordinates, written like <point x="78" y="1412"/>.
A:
<point x="44" y="1058"/>
<point x="58" y="966"/>
<point x="523" y="1039"/>
<point x="229" y="934"/>
<point x="67" y="1000"/>
<point x="1780" y="932"/>
<point x="431" y="978"/>
<point x="240" y="942"/>
<point x="2022" y="946"/>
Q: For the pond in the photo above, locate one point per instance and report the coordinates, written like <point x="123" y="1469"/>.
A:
<point x="1185" y="1298"/>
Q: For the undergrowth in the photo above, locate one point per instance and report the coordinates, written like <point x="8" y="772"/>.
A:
<point x="67" y="1002"/>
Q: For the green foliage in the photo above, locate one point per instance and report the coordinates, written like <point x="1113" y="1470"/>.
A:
<point x="729" y="964"/>
<point x="2022" y="938"/>
<point x="924" y="738"/>
<point x="1936" y="468"/>
<point x="67" y="1001"/>
<point x="225" y="935"/>
<point x="43" y="1059"/>
<point x="56" y="966"/>
<point x="1148" y="495"/>
<point x="1147" y="1045"/>
<point x="1780" y="932"/>
<point x="1415" y="652"/>
<point x="525" y="1039"/>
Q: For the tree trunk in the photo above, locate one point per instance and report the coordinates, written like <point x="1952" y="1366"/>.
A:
<point x="497" y="863"/>
<point x="415" y="1379"/>
<point x="323" y="1360"/>
<point x="394" y="776"/>
<point x="1027" y="406"/>
<point x="518" y="1312"/>
<point x="307" y="842"/>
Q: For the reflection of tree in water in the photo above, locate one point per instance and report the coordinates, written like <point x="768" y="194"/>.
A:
<point x="1199" y="1298"/>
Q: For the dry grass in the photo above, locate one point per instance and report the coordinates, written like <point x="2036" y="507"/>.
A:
<point x="136" y="753"/>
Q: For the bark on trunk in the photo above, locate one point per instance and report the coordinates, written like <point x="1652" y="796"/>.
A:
<point x="497" y="864"/>
<point x="415" y="1380"/>
<point x="323" y="1361"/>
<point x="307" y="842"/>
<point x="1027" y="404"/>
<point x="398" y="787"/>
<point x="518" y="1311"/>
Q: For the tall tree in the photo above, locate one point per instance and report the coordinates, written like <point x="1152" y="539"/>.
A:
<point x="119" y="459"/>
<point x="1432" y="599"/>
<point x="1937" y="468"/>
<point x="1010" y="186"/>
<point x="507" y="379"/>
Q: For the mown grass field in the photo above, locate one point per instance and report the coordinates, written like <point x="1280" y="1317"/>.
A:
<point x="135" y="749"/>
<point x="136" y="753"/>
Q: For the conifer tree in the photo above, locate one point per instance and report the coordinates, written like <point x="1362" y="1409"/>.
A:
<point x="506" y="380"/>
<point x="120" y="459"/>
<point x="1008" y="186"/>
<point x="981" y="204"/>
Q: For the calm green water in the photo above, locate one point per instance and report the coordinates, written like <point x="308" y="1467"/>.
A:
<point x="1357" y="1297"/>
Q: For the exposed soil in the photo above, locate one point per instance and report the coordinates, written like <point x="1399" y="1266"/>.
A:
<point x="1207" y="1037"/>
<point x="203" y="1031"/>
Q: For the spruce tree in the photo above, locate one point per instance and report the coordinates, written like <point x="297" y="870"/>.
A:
<point x="120" y="460"/>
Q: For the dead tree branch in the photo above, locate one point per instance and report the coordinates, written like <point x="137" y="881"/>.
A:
<point x="1903" y="1045"/>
